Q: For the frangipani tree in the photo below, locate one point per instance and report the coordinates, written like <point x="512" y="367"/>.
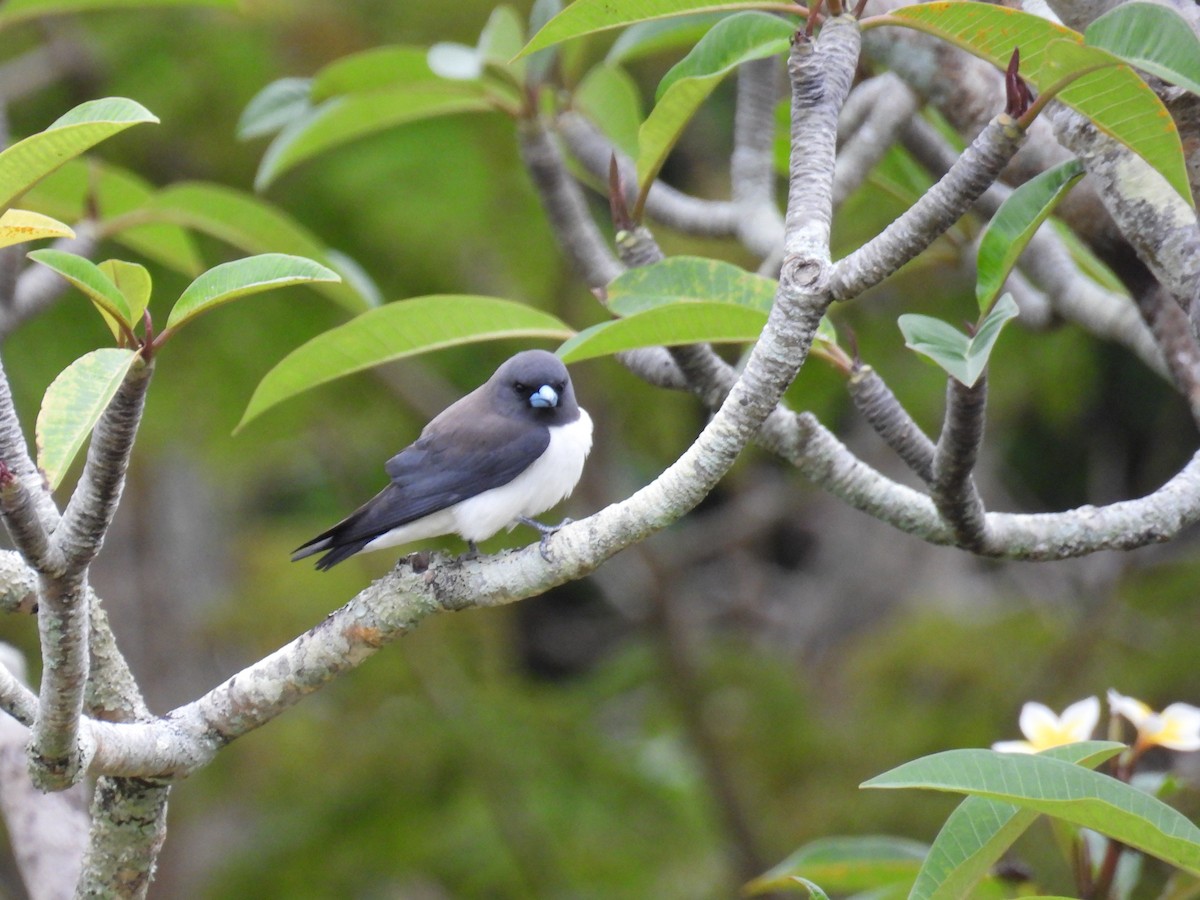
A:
<point x="1035" y="77"/>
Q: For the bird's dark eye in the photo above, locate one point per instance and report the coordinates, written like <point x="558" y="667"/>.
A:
<point x="520" y="388"/>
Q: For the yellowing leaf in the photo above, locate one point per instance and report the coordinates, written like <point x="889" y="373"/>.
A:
<point x="19" y="225"/>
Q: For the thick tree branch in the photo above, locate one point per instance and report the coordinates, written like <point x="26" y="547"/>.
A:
<point x="55" y="753"/>
<point x="64" y="614"/>
<point x="129" y="819"/>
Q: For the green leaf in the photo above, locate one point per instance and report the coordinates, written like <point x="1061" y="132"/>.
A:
<point x="393" y="331"/>
<point x="659" y="36"/>
<point x="846" y="864"/>
<point x="729" y="43"/>
<point x="133" y="281"/>
<point x="345" y="119"/>
<point x="87" y="277"/>
<point x="590" y="16"/>
<point x="962" y="357"/>
<point x="1014" y="224"/>
<point x="242" y="277"/>
<point x="15" y="11"/>
<point x="19" y="225"/>
<point x="1116" y="99"/>
<point x="732" y="41"/>
<point x="278" y="104"/>
<point x="27" y="162"/>
<point x="377" y="69"/>
<point x="501" y="40"/>
<point x="679" y="323"/>
<point x="1060" y="789"/>
<point x="84" y="185"/>
<point x="980" y="830"/>
<point x="251" y="225"/>
<point x="814" y="890"/>
<point x="73" y="405"/>
<point x="609" y="97"/>
<point x="1153" y="38"/>
<point x="688" y="279"/>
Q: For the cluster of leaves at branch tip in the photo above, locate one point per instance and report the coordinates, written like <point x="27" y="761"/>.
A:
<point x="1008" y="788"/>
<point x="119" y="290"/>
<point x="387" y="87"/>
<point x="965" y="356"/>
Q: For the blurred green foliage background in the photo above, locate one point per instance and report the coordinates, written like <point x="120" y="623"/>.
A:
<point x="705" y="703"/>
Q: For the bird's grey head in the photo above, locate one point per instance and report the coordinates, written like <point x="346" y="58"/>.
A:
<point x="535" y="384"/>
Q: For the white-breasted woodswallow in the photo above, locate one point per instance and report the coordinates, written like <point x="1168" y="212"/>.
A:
<point x="504" y="453"/>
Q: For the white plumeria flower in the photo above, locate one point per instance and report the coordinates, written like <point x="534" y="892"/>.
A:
<point x="1177" y="727"/>
<point x="1043" y="729"/>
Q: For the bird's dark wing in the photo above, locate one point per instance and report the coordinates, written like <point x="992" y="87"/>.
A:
<point x="443" y="467"/>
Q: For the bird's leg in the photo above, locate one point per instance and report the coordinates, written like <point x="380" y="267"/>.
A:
<point x="472" y="550"/>
<point x="545" y="531"/>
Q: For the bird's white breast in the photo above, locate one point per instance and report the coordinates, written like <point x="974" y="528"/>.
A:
<point x="549" y="480"/>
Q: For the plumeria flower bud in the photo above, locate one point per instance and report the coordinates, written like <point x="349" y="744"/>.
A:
<point x="1043" y="729"/>
<point x="1177" y="727"/>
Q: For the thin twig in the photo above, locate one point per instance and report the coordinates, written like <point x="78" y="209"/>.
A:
<point x="891" y="421"/>
<point x="957" y="450"/>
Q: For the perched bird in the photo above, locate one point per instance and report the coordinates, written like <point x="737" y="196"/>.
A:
<point x="508" y="451"/>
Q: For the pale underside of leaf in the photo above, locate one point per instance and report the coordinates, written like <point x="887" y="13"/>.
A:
<point x="1154" y="38"/>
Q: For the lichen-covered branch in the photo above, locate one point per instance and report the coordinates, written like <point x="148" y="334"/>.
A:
<point x="1153" y="218"/>
<point x="129" y="819"/>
